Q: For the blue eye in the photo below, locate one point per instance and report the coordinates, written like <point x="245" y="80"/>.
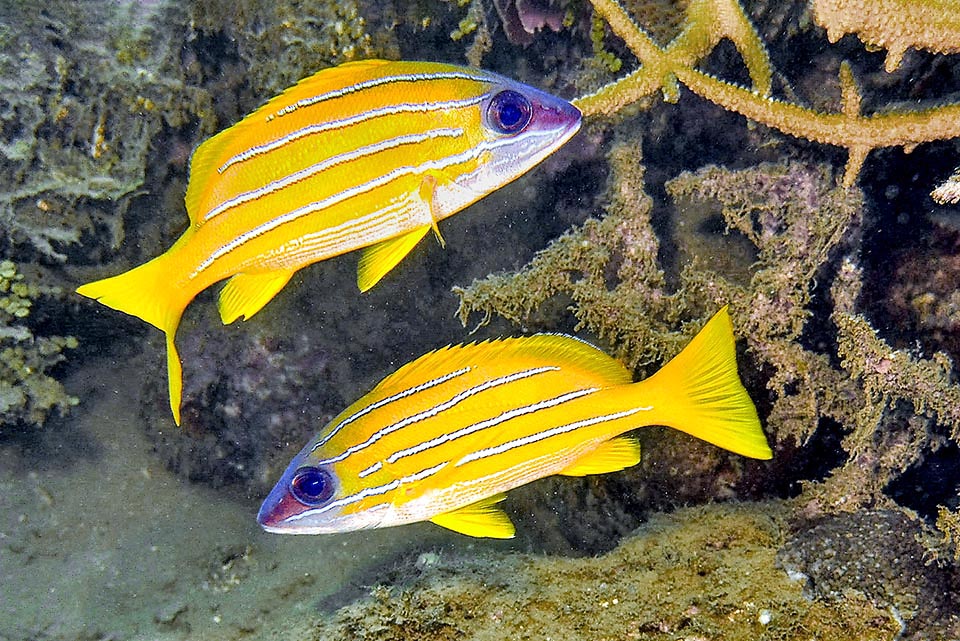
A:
<point x="509" y="112"/>
<point x="312" y="486"/>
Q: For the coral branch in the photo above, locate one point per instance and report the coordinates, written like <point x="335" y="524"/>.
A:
<point x="708" y="21"/>
<point x="858" y="134"/>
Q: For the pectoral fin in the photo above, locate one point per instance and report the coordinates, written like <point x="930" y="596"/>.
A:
<point x="480" y="519"/>
<point x="614" y="455"/>
<point x="379" y="259"/>
<point x="245" y="294"/>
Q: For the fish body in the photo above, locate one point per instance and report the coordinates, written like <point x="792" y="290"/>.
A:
<point x="446" y="435"/>
<point x="370" y="154"/>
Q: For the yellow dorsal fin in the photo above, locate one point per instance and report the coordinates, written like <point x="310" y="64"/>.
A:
<point x="480" y="519"/>
<point x="575" y="356"/>
<point x="213" y="152"/>
<point x="245" y="294"/>
<point x="612" y="456"/>
<point x="379" y="259"/>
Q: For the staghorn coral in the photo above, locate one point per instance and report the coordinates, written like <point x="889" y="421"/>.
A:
<point x="28" y="395"/>
<point x="894" y="25"/>
<point x="709" y="21"/>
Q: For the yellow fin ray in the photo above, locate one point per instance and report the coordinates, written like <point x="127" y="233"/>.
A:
<point x="246" y="294"/>
<point x="699" y="392"/>
<point x="480" y="519"/>
<point x="611" y="456"/>
<point x="174" y="378"/>
<point x="377" y="260"/>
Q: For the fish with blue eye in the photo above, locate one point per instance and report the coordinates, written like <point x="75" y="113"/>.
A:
<point x="369" y="155"/>
<point x="445" y="436"/>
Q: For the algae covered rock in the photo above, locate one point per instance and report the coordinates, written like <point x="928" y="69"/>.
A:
<point x="699" y="573"/>
<point x="28" y="394"/>
<point x="86" y="87"/>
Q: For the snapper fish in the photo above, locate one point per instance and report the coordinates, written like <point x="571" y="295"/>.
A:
<point x="370" y="154"/>
<point x="444" y="437"/>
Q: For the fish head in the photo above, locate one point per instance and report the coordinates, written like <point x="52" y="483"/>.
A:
<point x="519" y="126"/>
<point x="310" y="498"/>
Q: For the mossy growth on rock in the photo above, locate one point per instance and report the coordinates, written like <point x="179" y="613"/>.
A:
<point x="28" y="394"/>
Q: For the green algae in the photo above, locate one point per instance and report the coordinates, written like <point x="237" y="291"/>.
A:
<point x="28" y="394"/>
<point x="700" y="573"/>
<point x="86" y="88"/>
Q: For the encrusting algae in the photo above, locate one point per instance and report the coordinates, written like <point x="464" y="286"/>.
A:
<point x="699" y="573"/>
<point x="28" y="394"/>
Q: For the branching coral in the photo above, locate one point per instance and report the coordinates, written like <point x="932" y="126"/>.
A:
<point x="708" y="22"/>
<point x="27" y="393"/>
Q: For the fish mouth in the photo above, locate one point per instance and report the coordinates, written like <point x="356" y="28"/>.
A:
<point x="559" y="115"/>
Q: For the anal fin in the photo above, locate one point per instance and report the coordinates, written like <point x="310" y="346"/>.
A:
<point x="480" y="519"/>
<point x="379" y="259"/>
<point x="246" y="294"/>
<point x="612" y="456"/>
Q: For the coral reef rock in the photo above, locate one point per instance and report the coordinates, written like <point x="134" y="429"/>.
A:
<point x="699" y="573"/>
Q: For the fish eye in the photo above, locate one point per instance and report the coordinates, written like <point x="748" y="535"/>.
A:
<point x="312" y="486"/>
<point x="509" y="112"/>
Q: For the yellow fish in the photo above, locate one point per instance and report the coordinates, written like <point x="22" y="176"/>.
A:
<point x="446" y="435"/>
<point x="369" y="154"/>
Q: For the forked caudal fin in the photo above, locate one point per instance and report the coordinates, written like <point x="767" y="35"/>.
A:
<point x="145" y="292"/>
<point x="699" y="392"/>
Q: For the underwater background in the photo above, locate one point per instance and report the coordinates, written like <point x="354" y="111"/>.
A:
<point x="841" y="278"/>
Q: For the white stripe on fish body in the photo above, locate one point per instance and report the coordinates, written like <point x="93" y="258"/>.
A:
<point x="341" y="197"/>
<point x="436" y="410"/>
<point x="382" y="81"/>
<point x="390" y="399"/>
<point x="488" y="423"/>
<point x="313" y="170"/>
<point x="468" y="489"/>
<point x="342" y="123"/>
<point x="545" y="434"/>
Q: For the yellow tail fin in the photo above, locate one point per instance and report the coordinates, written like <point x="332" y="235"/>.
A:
<point x="699" y="392"/>
<point x="145" y="292"/>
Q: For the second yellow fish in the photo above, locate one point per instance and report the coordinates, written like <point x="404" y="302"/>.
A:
<point x="442" y="438"/>
<point x="369" y="154"/>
